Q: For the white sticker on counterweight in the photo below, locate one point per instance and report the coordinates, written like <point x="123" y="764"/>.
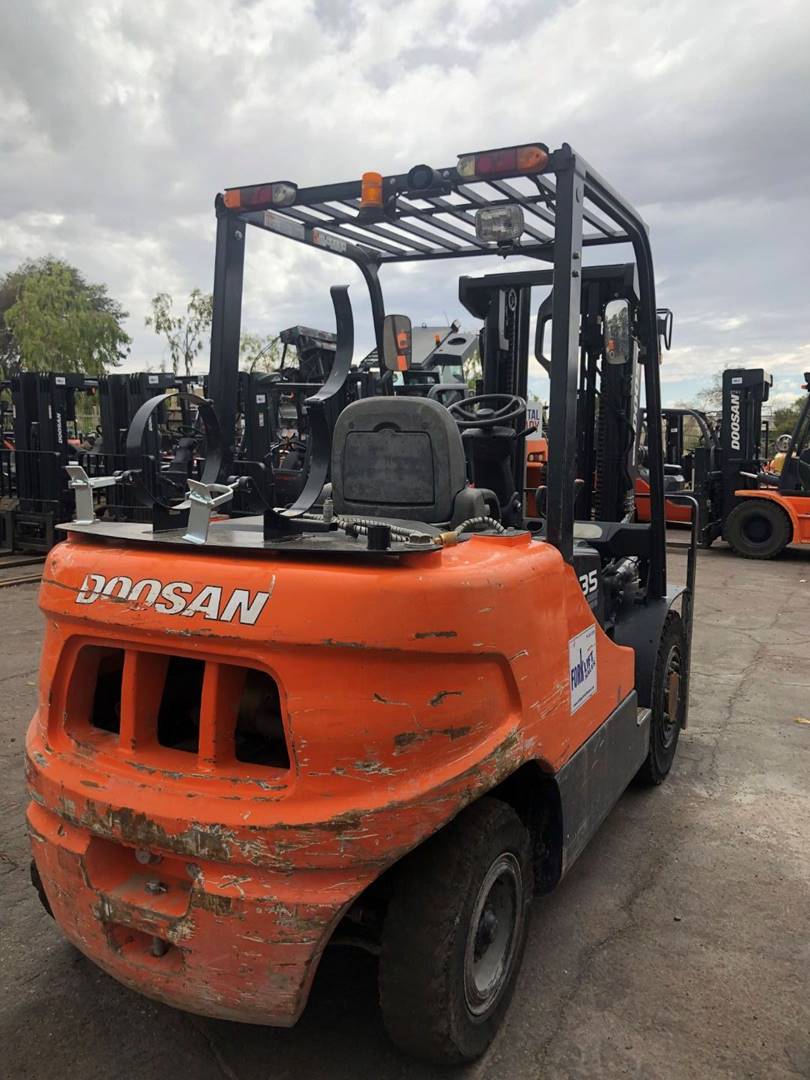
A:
<point x="582" y="667"/>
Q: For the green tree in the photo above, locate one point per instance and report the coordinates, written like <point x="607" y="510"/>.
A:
<point x="784" y="420"/>
<point x="52" y="319"/>
<point x="257" y="353"/>
<point x="186" y="335"/>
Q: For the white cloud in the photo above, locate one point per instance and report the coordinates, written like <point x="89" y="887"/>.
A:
<point x="120" y="121"/>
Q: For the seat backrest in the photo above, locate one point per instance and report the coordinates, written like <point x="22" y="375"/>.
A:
<point x="397" y="457"/>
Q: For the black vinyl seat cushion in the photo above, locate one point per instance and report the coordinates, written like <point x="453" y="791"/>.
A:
<point x="397" y="457"/>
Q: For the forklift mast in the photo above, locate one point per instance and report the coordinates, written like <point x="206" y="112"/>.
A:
<point x="44" y="408"/>
<point x="608" y="401"/>
<point x="607" y="393"/>
<point x="123" y="394"/>
<point x="608" y="396"/>
<point x="503" y="302"/>
<point x="744" y="392"/>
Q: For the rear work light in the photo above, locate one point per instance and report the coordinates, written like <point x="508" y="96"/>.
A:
<point x="261" y="196"/>
<point x="499" y="224"/>
<point x="508" y="161"/>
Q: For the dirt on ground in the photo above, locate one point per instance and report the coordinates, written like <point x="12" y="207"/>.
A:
<point x="677" y="947"/>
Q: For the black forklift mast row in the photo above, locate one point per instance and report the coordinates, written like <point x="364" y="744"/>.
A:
<point x="569" y="208"/>
<point x="44" y="438"/>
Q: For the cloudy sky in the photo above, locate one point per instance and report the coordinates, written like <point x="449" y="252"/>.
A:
<point x="120" y="120"/>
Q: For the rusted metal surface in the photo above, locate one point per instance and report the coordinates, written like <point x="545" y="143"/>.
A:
<point x="437" y="680"/>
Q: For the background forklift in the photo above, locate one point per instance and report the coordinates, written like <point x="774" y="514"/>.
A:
<point x="756" y="510"/>
<point x="272" y="420"/>
<point x="691" y="460"/>
<point x="762" y="512"/>
<point x="393" y="713"/>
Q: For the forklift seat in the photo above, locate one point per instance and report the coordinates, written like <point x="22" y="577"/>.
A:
<point x="397" y="457"/>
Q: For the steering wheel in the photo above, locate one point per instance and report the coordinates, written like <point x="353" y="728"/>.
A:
<point x="487" y="410"/>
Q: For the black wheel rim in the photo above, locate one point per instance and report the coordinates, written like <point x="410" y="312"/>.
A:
<point x="492" y="934"/>
<point x="671" y="693"/>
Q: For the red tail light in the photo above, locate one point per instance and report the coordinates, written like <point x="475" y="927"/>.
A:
<point x="261" y="196"/>
<point x="507" y="161"/>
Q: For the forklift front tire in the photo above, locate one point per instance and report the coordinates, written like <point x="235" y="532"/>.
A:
<point x="668" y="702"/>
<point x="454" y="935"/>
<point x="758" y="529"/>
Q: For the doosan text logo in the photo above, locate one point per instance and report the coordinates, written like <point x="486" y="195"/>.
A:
<point x="735" y="420"/>
<point x="178" y="597"/>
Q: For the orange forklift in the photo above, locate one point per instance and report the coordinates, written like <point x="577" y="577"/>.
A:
<point x="395" y="710"/>
<point x="763" y="510"/>
<point x="740" y="497"/>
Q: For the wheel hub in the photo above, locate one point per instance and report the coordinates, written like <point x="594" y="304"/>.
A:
<point x="757" y="529"/>
<point x="672" y="696"/>
<point x="492" y="934"/>
<point x="486" y="933"/>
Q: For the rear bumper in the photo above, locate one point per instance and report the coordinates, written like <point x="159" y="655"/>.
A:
<point x="221" y="940"/>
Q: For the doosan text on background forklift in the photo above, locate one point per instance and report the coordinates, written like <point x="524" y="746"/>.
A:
<point x="395" y="710"/>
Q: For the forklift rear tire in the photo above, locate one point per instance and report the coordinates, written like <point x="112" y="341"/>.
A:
<point x="454" y="935"/>
<point x="758" y="529"/>
<point x="668" y="702"/>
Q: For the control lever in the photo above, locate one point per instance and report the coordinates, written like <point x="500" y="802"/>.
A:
<point x="84" y="486"/>
<point x="203" y="499"/>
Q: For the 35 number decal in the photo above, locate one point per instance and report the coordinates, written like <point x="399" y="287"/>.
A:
<point x="589" y="582"/>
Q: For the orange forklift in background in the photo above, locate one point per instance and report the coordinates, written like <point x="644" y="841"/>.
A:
<point x="740" y="497"/>
<point x="763" y="511"/>
<point x="395" y="710"/>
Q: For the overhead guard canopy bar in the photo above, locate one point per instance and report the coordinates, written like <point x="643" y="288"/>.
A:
<point x="432" y="223"/>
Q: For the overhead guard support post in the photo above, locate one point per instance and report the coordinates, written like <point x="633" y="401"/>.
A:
<point x="226" y="324"/>
<point x="603" y="196"/>
<point x="371" y="274"/>
<point x="565" y="356"/>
